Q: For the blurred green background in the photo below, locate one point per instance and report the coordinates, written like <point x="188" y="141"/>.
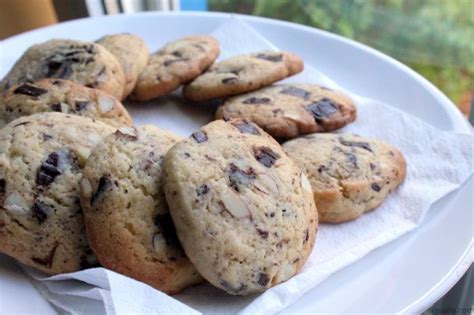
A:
<point x="433" y="37"/>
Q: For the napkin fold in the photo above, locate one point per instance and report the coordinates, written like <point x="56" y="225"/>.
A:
<point x="438" y="163"/>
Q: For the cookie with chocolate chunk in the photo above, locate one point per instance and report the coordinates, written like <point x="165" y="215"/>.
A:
<point x="243" y="210"/>
<point x="55" y="95"/>
<point x="288" y="110"/>
<point x="132" y="53"/>
<point x="175" y="64"/>
<point x="85" y="63"/>
<point x="126" y="215"/>
<point x="349" y="174"/>
<point x="41" y="162"/>
<point x="243" y="73"/>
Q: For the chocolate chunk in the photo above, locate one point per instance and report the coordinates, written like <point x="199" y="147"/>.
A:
<point x="48" y="259"/>
<point x="239" y="177"/>
<point x="199" y="136"/>
<point x="273" y="58"/>
<point x="372" y="166"/>
<point x="230" y="80"/>
<point x="322" y="109"/>
<point x="89" y="260"/>
<point x="322" y="168"/>
<point x="41" y="211"/>
<point x="81" y="105"/>
<point x="306" y="236"/>
<point x="266" y="156"/>
<point x="3" y="186"/>
<point x="104" y="184"/>
<point x="263" y="279"/>
<point x="30" y="90"/>
<point x="375" y="187"/>
<point x="51" y="168"/>
<point x="294" y="91"/>
<point x="177" y="54"/>
<point x="362" y="145"/>
<point x="166" y="226"/>
<point x="169" y="62"/>
<point x="57" y="69"/>
<point x="351" y="158"/>
<point x="246" y="127"/>
<point x="263" y="234"/>
<point x="56" y="107"/>
<point x="202" y="190"/>
<point x="257" y="100"/>
<point x="57" y="82"/>
<point x="152" y="159"/>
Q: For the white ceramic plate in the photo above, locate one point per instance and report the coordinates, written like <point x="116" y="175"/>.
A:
<point x="408" y="274"/>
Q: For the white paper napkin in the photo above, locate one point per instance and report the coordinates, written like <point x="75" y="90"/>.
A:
<point x="434" y="170"/>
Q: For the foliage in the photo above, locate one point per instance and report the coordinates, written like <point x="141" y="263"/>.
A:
<point x="434" y="37"/>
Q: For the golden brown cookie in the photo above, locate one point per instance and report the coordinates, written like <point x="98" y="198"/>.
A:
<point x="243" y="73"/>
<point x="349" y="174"/>
<point x="175" y="64"/>
<point x="55" y="95"/>
<point x="286" y="111"/>
<point x="126" y="215"/>
<point x="243" y="210"/>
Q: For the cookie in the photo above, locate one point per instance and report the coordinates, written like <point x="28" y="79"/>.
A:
<point x="55" y="95"/>
<point x="175" y="64"/>
<point x="241" y="74"/>
<point x="349" y="174"/>
<point x="126" y="215"/>
<point x="131" y="52"/>
<point x="243" y="210"/>
<point x="288" y="110"/>
<point x="41" y="161"/>
<point x="85" y="63"/>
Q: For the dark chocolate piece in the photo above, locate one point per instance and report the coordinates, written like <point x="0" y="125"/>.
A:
<point x="257" y="100"/>
<point x="266" y="156"/>
<point x="30" y="90"/>
<point x="199" y="136"/>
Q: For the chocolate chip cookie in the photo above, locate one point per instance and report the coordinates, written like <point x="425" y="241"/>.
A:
<point x="175" y="64"/>
<point x="241" y="74"/>
<point x="243" y="210"/>
<point x="349" y="174"/>
<point x="41" y="162"/>
<point x="85" y="63"/>
<point x="126" y="215"/>
<point x="55" y="95"/>
<point x="288" y="110"/>
<point x="132" y="53"/>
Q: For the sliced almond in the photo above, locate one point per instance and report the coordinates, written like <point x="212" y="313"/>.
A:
<point x="106" y="103"/>
<point x="286" y="271"/>
<point x="234" y="205"/>
<point x="292" y="116"/>
<point x="16" y="203"/>
<point x="157" y="241"/>
<point x="305" y="184"/>
<point x="94" y="138"/>
<point x="86" y="188"/>
<point x="266" y="184"/>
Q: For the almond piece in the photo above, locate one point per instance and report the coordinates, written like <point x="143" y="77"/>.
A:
<point x="305" y="184"/>
<point x="86" y="188"/>
<point x="16" y="203"/>
<point x="106" y="103"/>
<point x="234" y="205"/>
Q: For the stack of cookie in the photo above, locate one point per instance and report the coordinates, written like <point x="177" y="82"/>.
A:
<point x="81" y="186"/>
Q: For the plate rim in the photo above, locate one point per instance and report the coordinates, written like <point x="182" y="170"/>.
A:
<point x="462" y="126"/>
